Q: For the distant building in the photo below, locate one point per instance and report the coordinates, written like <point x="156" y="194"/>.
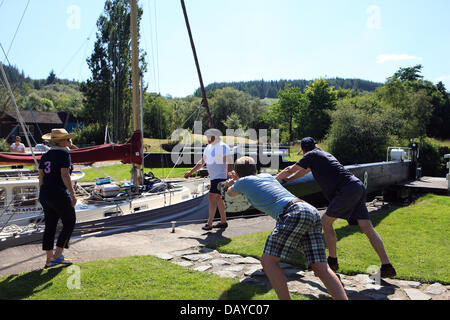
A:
<point x="9" y="124"/>
<point x="70" y="122"/>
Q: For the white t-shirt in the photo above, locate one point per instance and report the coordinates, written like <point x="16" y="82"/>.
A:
<point x="215" y="162"/>
<point x="41" y="147"/>
<point x="17" y="148"/>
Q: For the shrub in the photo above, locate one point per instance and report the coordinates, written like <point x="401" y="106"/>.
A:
<point x="91" y="134"/>
<point x="4" y="146"/>
<point x="169" y="145"/>
<point x="359" y="133"/>
<point x="431" y="158"/>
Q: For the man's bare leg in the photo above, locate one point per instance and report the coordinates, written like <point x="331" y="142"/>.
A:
<point x="276" y="276"/>
<point x="330" y="280"/>
<point x="329" y="235"/>
<point x="375" y="239"/>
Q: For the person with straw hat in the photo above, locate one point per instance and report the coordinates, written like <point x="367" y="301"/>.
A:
<point x="57" y="195"/>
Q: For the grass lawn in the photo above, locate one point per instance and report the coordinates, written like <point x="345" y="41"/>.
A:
<point x="415" y="238"/>
<point x="155" y="144"/>
<point x="131" y="278"/>
<point x="122" y="172"/>
<point x="296" y="151"/>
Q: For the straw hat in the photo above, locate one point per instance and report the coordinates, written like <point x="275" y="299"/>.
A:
<point x="58" y="135"/>
<point x="213" y="133"/>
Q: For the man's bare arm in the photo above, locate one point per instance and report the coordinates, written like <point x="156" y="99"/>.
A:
<point x="197" y="167"/>
<point x="231" y="192"/>
<point x="292" y="172"/>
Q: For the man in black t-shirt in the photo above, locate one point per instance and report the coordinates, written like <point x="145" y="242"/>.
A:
<point x="346" y="195"/>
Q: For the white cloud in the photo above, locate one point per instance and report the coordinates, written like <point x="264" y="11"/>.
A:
<point x="443" y="79"/>
<point x="396" y="57"/>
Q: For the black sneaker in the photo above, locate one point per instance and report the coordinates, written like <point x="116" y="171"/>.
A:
<point x="207" y="227"/>
<point x="387" y="271"/>
<point x="221" y="225"/>
<point x="333" y="264"/>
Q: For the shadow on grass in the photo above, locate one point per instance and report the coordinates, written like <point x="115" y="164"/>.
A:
<point x="244" y="291"/>
<point x="17" y="287"/>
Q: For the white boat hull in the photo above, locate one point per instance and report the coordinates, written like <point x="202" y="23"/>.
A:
<point x="88" y="210"/>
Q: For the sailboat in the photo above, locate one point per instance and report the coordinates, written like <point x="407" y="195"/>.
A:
<point x="106" y="202"/>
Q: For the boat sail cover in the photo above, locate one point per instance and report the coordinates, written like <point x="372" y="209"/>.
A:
<point x="129" y="152"/>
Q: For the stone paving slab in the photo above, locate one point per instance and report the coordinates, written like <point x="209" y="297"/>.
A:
<point x="358" y="287"/>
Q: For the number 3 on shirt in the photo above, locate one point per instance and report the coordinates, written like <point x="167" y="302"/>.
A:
<point x="47" y="165"/>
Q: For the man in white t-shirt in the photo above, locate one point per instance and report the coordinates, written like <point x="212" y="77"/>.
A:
<point x="18" y="146"/>
<point x="217" y="158"/>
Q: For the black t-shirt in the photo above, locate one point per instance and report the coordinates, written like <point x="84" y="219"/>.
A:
<point x="327" y="170"/>
<point x="51" y="163"/>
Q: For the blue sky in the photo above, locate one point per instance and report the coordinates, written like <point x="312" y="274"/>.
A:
<point x="240" y="40"/>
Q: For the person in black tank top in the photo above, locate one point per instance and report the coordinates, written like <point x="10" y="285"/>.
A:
<point x="347" y="199"/>
<point x="57" y="196"/>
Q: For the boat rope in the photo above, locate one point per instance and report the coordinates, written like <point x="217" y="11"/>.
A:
<point x="10" y="133"/>
<point x="154" y="46"/>
<point x="27" y="133"/>
<point x="180" y="155"/>
<point x="18" y="26"/>
<point x="83" y="45"/>
<point x="19" y="116"/>
<point x="16" y="202"/>
<point x="173" y="223"/>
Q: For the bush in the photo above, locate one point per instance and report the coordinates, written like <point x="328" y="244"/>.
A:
<point x="431" y="158"/>
<point x="4" y="145"/>
<point x="91" y="134"/>
<point x="359" y="133"/>
<point x="443" y="171"/>
<point x="169" y="145"/>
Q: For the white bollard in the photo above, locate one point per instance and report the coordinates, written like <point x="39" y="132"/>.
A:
<point x="447" y="156"/>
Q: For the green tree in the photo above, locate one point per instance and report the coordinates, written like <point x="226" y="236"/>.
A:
<point x="230" y="101"/>
<point x="184" y="111"/>
<point x="361" y="130"/>
<point x="290" y="106"/>
<point x="108" y="92"/>
<point x="51" y="78"/>
<point x="156" y="116"/>
<point x="409" y="74"/>
<point x="440" y="119"/>
<point x="321" y="99"/>
<point x="410" y="98"/>
<point x="233" y="122"/>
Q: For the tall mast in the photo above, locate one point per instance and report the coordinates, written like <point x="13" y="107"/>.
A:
<point x="137" y="174"/>
<point x="202" y="87"/>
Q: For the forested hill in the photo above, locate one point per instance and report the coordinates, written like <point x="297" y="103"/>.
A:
<point x="269" y="89"/>
<point x="51" y="94"/>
